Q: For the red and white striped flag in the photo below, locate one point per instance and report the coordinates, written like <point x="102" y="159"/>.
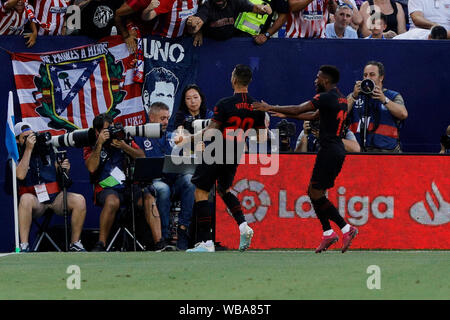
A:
<point x="64" y="90"/>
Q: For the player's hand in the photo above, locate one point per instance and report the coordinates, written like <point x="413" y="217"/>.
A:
<point x="200" y="146"/>
<point x="260" y="39"/>
<point x="378" y="94"/>
<point x="119" y="144"/>
<point x="356" y="89"/>
<point x="31" y="39"/>
<point x="277" y="114"/>
<point x="261" y="106"/>
<point x="31" y="141"/>
<point x="103" y="136"/>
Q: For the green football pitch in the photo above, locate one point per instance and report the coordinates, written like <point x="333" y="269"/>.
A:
<point x="227" y="275"/>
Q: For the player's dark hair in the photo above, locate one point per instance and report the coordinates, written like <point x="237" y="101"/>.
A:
<point x="438" y="33"/>
<point x="243" y="74"/>
<point x="183" y="107"/>
<point x="158" y="106"/>
<point x="331" y="72"/>
<point x="377" y="64"/>
<point x="100" y="120"/>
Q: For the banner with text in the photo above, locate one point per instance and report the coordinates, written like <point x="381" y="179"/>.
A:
<point x="169" y="66"/>
<point x="396" y="202"/>
<point x="64" y="90"/>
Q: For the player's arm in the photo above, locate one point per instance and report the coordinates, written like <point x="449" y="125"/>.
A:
<point x="289" y="111"/>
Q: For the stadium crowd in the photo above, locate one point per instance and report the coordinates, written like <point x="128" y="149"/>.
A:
<point x="223" y="19"/>
<point x="132" y="19"/>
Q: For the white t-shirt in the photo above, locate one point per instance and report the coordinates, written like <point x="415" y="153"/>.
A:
<point x="434" y="10"/>
<point x="414" y="34"/>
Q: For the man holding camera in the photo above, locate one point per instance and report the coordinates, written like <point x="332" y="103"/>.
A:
<point x="37" y="175"/>
<point x="106" y="163"/>
<point x="170" y="184"/>
<point x="331" y="107"/>
<point x="376" y="113"/>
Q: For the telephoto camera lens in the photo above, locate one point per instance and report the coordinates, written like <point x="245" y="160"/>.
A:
<point x="367" y="86"/>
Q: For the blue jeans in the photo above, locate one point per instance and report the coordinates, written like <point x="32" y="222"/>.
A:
<point x="181" y="188"/>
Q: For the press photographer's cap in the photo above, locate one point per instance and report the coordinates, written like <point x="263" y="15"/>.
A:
<point x="21" y="127"/>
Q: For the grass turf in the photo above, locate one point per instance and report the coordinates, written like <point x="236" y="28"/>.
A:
<point x="266" y="275"/>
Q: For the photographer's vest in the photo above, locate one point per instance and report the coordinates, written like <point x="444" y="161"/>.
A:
<point x="383" y="129"/>
<point x="109" y="159"/>
<point x="38" y="173"/>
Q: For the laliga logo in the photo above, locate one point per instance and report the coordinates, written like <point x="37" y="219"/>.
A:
<point x="441" y="215"/>
<point x="253" y="193"/>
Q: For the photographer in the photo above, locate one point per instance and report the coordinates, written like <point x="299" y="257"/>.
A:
<point x="286" y="130"/>
<point x="37" y="175"/>
<point x="308" y="139"/>
<point x="106" y="163"/>
<point x="376" y="116"/>
<point x="170" y="184"/>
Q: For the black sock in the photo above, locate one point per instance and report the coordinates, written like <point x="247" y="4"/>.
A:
<point x="321" y="212"/>
<point x="333" y="214"/>
<point x="203" y="214"/>
<point x="234" y="205"/>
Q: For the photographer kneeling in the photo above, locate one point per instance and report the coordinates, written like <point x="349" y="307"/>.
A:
<point x="37" y="175"/>
<point x="308" y="139"/>
<point x="105" y="162"/>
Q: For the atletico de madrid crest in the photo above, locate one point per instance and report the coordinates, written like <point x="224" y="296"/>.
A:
<point x="74" y="86"/>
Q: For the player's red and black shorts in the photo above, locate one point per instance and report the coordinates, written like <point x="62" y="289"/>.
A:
<point x="206" y="175"/>
<point x="328" y="164"/>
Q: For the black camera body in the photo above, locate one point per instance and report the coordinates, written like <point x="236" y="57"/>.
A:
<point x="314" y="125"/>
<point x="367" y="87"/>
<point x="188" y="124"/>
<point x="286" y="129"/>
<point x="41" y="147"/>
<point x="117" y="131"/>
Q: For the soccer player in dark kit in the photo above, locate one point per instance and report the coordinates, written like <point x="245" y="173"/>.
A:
<point x="331" y="107"/>
<point x="232" y="114"/>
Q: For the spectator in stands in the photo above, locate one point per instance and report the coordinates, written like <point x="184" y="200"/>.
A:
<point x="308" y="139"/>
<point x="192" y="107"/>
<point x="340" y="29"/>
<point x="377" y="27"/>
<point x="105" y="163"/>
<point x="281" y="9"/>
<point x="307" y="18"/>
<point x="38" y="174"/>
<point x="97" y="17"/>
<point x="435" y="33"/>
<point x="171" y="17"/>
<point x="51" y="16"/>
<point x="215" y="19"/>
<point x="385" y="111"/>
<point x="13" y="19"/>
<point x="170" y="185"/>
<point x="393" y="11"/>
<point x="445" y="141"/>
<point x="126" y="11"/>
<point x="356" y="17"/>
<point x="424" y="15"/>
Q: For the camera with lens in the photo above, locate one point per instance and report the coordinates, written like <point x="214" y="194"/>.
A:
<point x="367" y="87"/>
<point x="188" y="124"/>
<point x="86" y="137"/>
<point x="286" y="130"/>
<point x="314" y="125"/>
<point x="41" y="147"/>
<point x="117" y="131"/>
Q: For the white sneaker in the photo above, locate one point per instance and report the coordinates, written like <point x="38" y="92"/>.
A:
<point x="246" y="239"/>
<point x="207" y="246"/>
